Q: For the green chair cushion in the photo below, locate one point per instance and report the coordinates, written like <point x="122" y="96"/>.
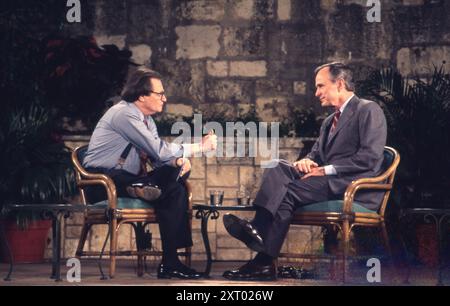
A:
<point x="125" y="203"/>
<point x="332" y="206"/>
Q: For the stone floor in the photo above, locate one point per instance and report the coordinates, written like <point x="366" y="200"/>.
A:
<point x="38" y="274"/>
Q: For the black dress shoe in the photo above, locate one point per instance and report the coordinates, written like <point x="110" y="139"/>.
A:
<point x="252" y="272"/>
<point x="244" y="231"/>
<point x="180" y="272"/>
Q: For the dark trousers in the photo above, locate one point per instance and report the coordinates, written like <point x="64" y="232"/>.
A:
<point x="281" y="193"/>
<point x="171" y="208"/>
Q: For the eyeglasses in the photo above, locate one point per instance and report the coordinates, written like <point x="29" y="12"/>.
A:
<point x="160" y="94"/>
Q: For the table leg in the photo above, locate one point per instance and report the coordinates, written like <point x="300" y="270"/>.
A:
<point x="139" y="229"/>
<point x="54" y="238"/>
<point x="56" y="246"/>
<point x="8" y="249"/>
<point x="204" y="216"/>
<point x="438" y="219"/>
<point x="406" y="227"/>
<point x="440" y="232"/>
<point x="204" y="229"/>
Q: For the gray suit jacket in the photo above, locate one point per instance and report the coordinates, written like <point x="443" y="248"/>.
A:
<point x="355" y="149"/>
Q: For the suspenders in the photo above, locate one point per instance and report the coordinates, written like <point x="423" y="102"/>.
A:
<point x="126" y="151"/>
<point x="124" y="155"/>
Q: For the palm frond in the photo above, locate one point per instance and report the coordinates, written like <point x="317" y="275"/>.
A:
<point x="35" y="168"/>
<point x="418" y="115"/>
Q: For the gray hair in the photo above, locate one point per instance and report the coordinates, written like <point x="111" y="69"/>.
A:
<point x="339" y="71"/>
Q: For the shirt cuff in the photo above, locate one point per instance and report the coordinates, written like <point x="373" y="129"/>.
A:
<point x="192" y="150"/>
<point x="180" y="153"/>
<point x="330" y="170"/>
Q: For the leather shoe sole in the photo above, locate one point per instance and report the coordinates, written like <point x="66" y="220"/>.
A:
<point x="243" y="231"/>
<point x="148" y="193"/>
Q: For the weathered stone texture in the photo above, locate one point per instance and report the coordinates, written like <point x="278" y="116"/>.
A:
<point x="248" y="69"/>
<point x="244" y="41"/>
<point x="272" y="109"/>
<point x="197" y="41"/>
<point x="217" y="68"/>
<point x="227" y="91"/>
<point x="284" y="10"/>
<point x="110" y="17"/>
<point x="184" y="81"/>
<point x="141" y="26"/>
<point x="141" y="54"/>
<point x="420" y="60"/>
<point x="202" y="10"/>
<point x="242" y="9"/>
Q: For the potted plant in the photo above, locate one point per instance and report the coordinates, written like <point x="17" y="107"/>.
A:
<point x="80" y="77"/>
<point x="36" y="169"/>
<point x="417" y="111"/>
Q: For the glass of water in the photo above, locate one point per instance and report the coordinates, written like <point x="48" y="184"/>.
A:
<point x="216" y="197"/>
<point x="243" y="198"/>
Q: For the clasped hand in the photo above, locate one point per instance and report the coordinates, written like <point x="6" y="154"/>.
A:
<point x="309" y="167"/>
<point x="185" y="164"/>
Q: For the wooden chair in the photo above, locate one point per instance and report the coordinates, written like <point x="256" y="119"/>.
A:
<point x="346" y="214"/>
<point x="116" y="211"/>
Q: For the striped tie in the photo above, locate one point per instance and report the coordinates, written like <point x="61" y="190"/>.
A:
<point x="337" y="114"/>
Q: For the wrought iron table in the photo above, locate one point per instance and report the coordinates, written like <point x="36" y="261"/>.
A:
<point x="439" y="217"/>
<point x="205" y="212"/>
<point x="55" y="212"/>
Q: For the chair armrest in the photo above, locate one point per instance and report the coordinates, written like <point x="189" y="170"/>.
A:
<point x="381" y="182"/>
<point x="373" y="183"/>
<point x="102" y="180"/>
<point x="85" y="178"/>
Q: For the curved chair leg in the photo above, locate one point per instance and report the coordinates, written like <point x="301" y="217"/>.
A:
<point x="187" y="259"/>
<point x="113" y="247"/>
<point x="84" y="232"/>
<point x="139" y="230"/>
<point x="346" y="241"/>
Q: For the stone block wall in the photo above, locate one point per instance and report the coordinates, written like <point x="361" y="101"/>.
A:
<point x="263" y="52"/>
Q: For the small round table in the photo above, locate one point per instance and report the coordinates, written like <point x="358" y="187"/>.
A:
<point x="204" y="212"/>
<point x="429" y="215"/>
<point x="55" y="212"/>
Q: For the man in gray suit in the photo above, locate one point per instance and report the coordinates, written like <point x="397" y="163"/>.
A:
<point x="350" y="146"/>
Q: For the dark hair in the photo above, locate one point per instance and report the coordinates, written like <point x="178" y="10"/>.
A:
<point x="339" y="71"/>
<point x="138" y="84"/>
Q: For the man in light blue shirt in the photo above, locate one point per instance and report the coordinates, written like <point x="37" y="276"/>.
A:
<point x="123" y="140"/>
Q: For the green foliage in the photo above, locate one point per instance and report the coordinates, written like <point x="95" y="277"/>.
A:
<point x="303" y="123"/>
<point x="35" y="165"/>
<point x="79" y="76"/>
<point x="418" y="115"/>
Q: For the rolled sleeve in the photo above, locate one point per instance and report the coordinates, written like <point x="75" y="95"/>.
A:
<point x="131" y="127"/>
